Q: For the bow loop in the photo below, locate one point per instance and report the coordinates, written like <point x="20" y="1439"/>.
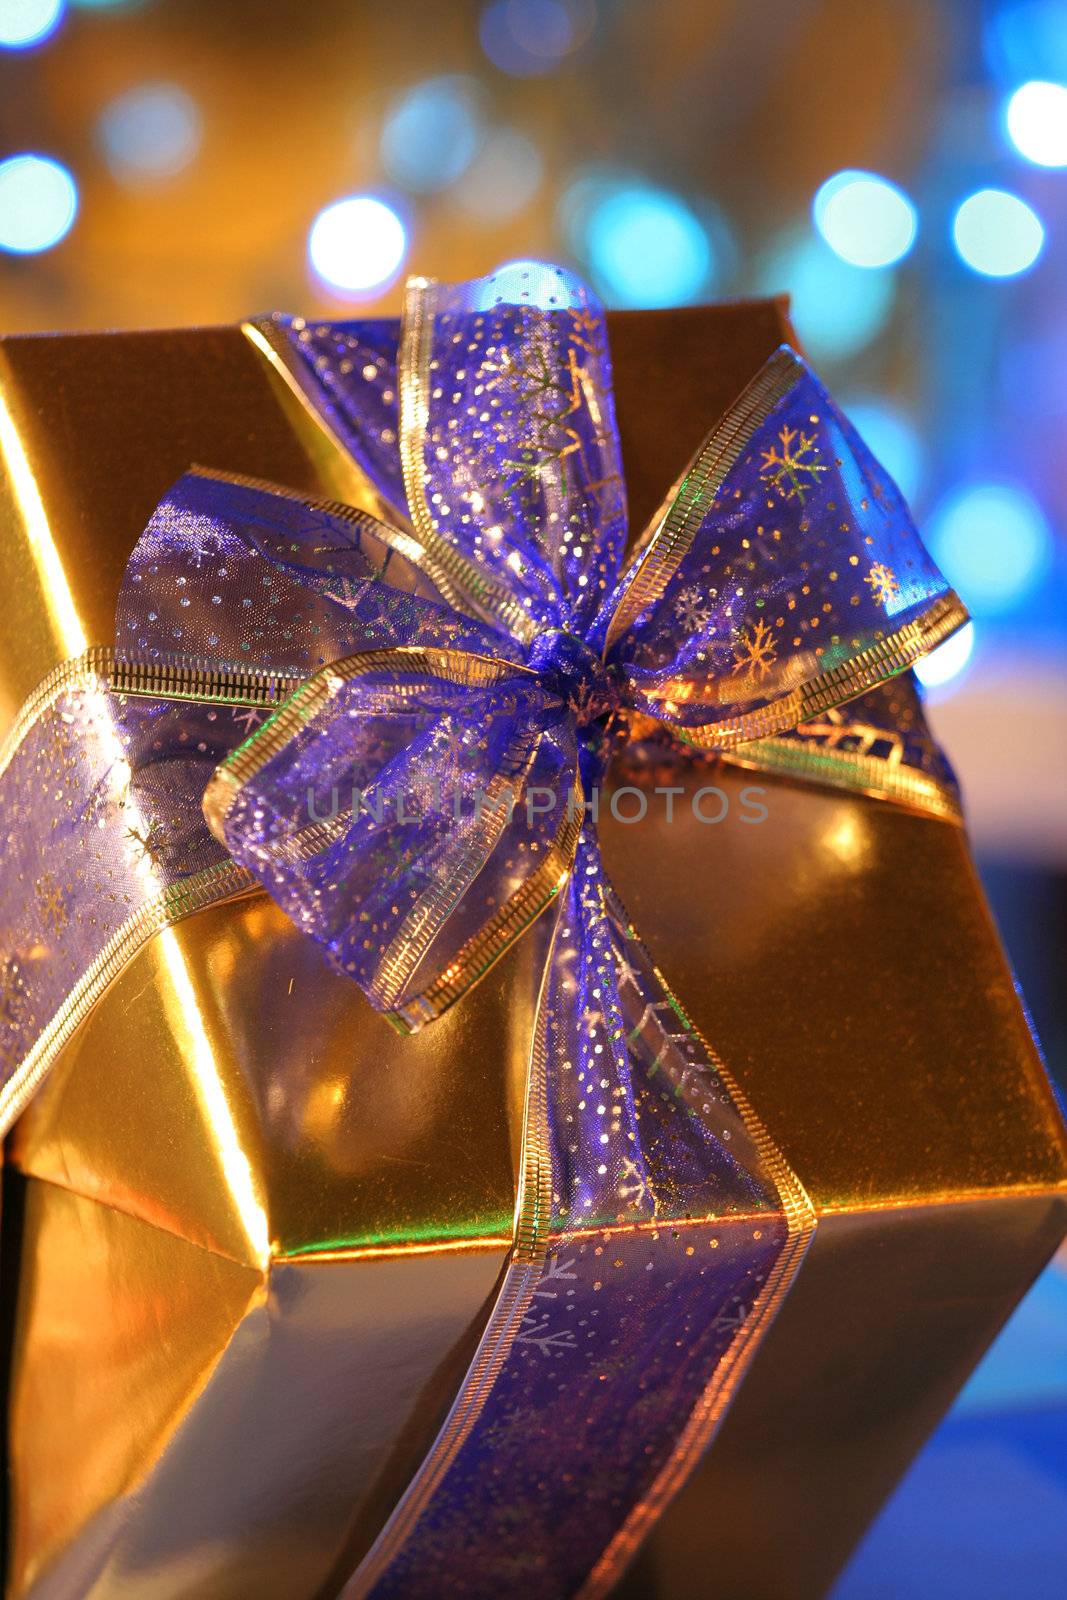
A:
<point x="508" y="442"/>
<point x="236" y="573"/>
<point x="785" y="576"/>
<point x="413" y="810"/>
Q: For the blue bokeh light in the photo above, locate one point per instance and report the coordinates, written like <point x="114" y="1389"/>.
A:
<point x="997" y="234"/>
<point x="892" y="439"/>
<point x="432" y="132"/>
<point x="1027" y="39"/>
<point x="994" y="545"/>
<point x="38" y="203"/>
<point x="357" y="245"/>
<point x="646" y="246"/>
<point x="837" y="308"/>
<point x="865" y="219"/>
<point x="587" y="188"/>
<point x="150" y="132"/>
<point x="1036" y="121"/>
<point x="503" y="177"/>
<point x="945" y="665"/>
<point x="591" y="185"/>
<point x="25" y="23"/>
<point x="527" y="37"/>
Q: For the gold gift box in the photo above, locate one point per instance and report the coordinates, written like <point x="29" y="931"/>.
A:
<point x="251" y="1236"/>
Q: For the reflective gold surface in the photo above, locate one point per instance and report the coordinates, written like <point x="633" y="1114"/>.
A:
<point x="93" y="429"/>
<point x="841" y="958"/>
<point x="261" y="1230"/>
<point x="352" y="1137"/>
<point x="887" y="1319"/>
<point x="187" y="1423"/>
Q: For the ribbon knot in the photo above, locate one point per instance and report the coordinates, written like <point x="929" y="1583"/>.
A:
<point x="569" y="668"/>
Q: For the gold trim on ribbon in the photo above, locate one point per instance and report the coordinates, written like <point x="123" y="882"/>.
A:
<point x="800" y="1218"/>
<point x="101" y="669"/>
<point x="873" y="776"/>
<point x="485" y="948"/>
<point x="427" y="917"/>
<point x="465" y="668"/>
<point x="659" y="555"/>
<point x="811" y="698"/>
<point x="460" y="582"/>
<point x="470" y="587"/>
<point x="489" y="943"/>
<point x="400" y="539"/>
<point x="270" y="341"/>
<point x="533" y="1214"/>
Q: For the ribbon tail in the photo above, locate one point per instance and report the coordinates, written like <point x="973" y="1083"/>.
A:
<point x="657" y="1230"/>
<point x="878" y="745"/>
<point x="437" y="1506"/>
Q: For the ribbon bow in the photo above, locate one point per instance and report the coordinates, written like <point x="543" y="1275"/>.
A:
<point x="419" y="801"/>
<point x="451" y="674"/>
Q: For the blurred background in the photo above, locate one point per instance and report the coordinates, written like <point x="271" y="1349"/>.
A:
<point x="898" y="166"/>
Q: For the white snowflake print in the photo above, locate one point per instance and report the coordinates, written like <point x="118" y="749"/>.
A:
<point x="625" y="973"/>
<point x="691" y="610"/>
<point x="550" y="1341"/>
<point x="556" y="1271"/>
<point x="731" y="1318"/>
<point x="347" y="592"/>
<point x="247" y="717"/>
<point x="637" y="1191"/>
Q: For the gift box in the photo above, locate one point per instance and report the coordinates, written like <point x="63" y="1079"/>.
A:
<point x="253" y="1235"/>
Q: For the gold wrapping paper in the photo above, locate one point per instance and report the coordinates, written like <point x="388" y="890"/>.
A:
<point x="254" y="1234"/>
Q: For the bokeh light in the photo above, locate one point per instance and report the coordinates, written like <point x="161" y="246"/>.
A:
<point x="356" y="246"/>
<point x="24" y="23"/>
<point x="590" y="186"/>
<point x="946" y="664"/>
<point x="38" y="203"/>
<point x="431" y="132"/>
<point x="993" y="543"/>
<point x="646" y="247"/>
<point x="503" y="177"/>
<point x="891" y="438"/>
<point x="997" y="234"/>
<point x="150" y="132"/>
<point x="527" y="37"/>
<point x="1036" y="120"/>
<point x="1027" y="39"/>
<point x="587" y="188"/>
<point x="865" y="219"/>
<point x="837" y="308"/>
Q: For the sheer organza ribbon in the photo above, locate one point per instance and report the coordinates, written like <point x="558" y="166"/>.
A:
<point x="448" y="680"/>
